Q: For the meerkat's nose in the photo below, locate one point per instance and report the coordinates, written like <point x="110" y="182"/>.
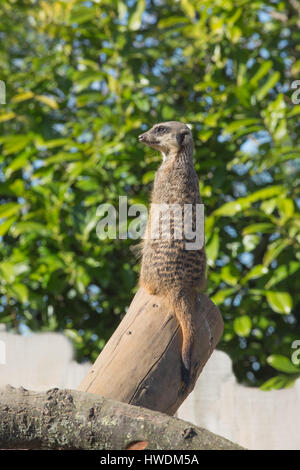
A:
<point x="141" y="137"/>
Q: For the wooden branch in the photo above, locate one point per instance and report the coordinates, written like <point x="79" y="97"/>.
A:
<point x="68" y="419"/>
<point x="295" y="5"/>
<point x="277" y="15"/>
<point x="141" y="363"/>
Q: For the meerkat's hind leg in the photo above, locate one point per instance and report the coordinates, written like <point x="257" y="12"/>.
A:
<point x="183" y="303"/>
<point x="150" y="288"/>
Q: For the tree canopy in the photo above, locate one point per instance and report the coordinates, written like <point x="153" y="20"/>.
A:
<point x="83" y="80"/>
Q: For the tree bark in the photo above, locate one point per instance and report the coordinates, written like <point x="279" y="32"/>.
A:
<point x="68" y="419"/>
<point x="141" y="363"/>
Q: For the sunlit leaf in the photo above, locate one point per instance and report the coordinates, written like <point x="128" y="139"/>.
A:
<point x="9" y="209"/>
<point x="280" y="302"/>
<point x="278" y="382"/>
<point x="212" y="248"/>
<point x="272" y="80"/>
<point x="283" y="364"/>
<point x="255" y="273"/>
<point x="136" y="18"/>
<point x="242" y="325"/>
<point x="274" y="249"/>
<point x="49" y="101"/>
<point x="221" y="295"/>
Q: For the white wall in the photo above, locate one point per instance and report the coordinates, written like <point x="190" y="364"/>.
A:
<point x="39" y="361"/>
<point x="247" y="416"/>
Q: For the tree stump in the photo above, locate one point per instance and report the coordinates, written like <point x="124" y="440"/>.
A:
<point x="141" y="363"/>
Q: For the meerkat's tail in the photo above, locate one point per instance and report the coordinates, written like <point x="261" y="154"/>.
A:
<point x="183" y="304"/>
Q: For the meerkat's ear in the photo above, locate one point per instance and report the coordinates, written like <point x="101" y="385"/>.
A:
<point x="181" y="136"/>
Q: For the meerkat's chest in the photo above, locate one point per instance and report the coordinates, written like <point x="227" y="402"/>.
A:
<point x="176" y="186"/>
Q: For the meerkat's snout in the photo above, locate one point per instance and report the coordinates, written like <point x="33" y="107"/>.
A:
<point x="145" y="138"/>
<point x="141" y="137"/>
<point x="149" y="139"/>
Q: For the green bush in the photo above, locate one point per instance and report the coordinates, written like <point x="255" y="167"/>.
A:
<point x="83" y="79"/>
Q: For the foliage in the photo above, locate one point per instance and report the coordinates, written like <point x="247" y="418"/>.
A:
<point x="83" y="79"/>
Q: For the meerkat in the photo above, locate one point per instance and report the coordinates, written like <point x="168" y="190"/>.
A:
<point x="168" y="269"/>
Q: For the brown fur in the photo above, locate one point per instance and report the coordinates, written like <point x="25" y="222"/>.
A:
<point x="168" y="269"/>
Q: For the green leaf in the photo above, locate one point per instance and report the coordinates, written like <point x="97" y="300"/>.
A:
<point x="15" y="143"/>
<point x="256" y="272"/>
<point x="283" y="364"/>
<point x="286" y="209"/>
<point x="148" y="177"/>
<point x="261" y="72"/>
<point x="82" y="14"/>
<point x="20" y="291"/>
<point x="272" y="80"/>
<point x="229" y="208"/>
<point x="63" y="157"/>
<point x="268" y="206"/>
<point x="212" y="248"/>
<point x="18" y="162"/>
<point x="24" y="96"/>
<point x="230" y="274"/>
<point x="7" y="270"/>
<point x="188" y="8"/>
<point x="7" y="116"/>
<point x="49" y="144"/>
<point x="282" y="272"/>
<point x="237" y="125"/>
<point x="242" y="325"/>
<point x="122" y="9"/>
<point x="73" y="335"/>
<point x="82" y="279"/>
<point x="136" y="18"/>
<point x="266" y="193"/>
<point x="5" y="226"/>
<point x="278" y="382"/>
<point x="274" y="249"/>
<point x="251" y="241"/>
<point x="221" y="295"/>
<point x="9" y="209"/>
<point x="171" y="21"/>
<point x="234" y="207"/>
<point x="264" y="227"/>
<point x="33" y="227"/>
<point x="48" y="100"/>
<point x="280" y="302"/>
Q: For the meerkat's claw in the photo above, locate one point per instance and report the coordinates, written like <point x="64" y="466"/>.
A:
<point x="186" y="375"/>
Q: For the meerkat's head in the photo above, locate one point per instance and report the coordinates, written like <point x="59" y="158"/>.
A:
<point x="169" y="138"/>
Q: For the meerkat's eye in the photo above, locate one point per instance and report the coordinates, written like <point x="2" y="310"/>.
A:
<point x="161" y="130"/>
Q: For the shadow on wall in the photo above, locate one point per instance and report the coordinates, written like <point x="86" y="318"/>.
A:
<point x="250" y="417"/>
<point x="247" y="416"/>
